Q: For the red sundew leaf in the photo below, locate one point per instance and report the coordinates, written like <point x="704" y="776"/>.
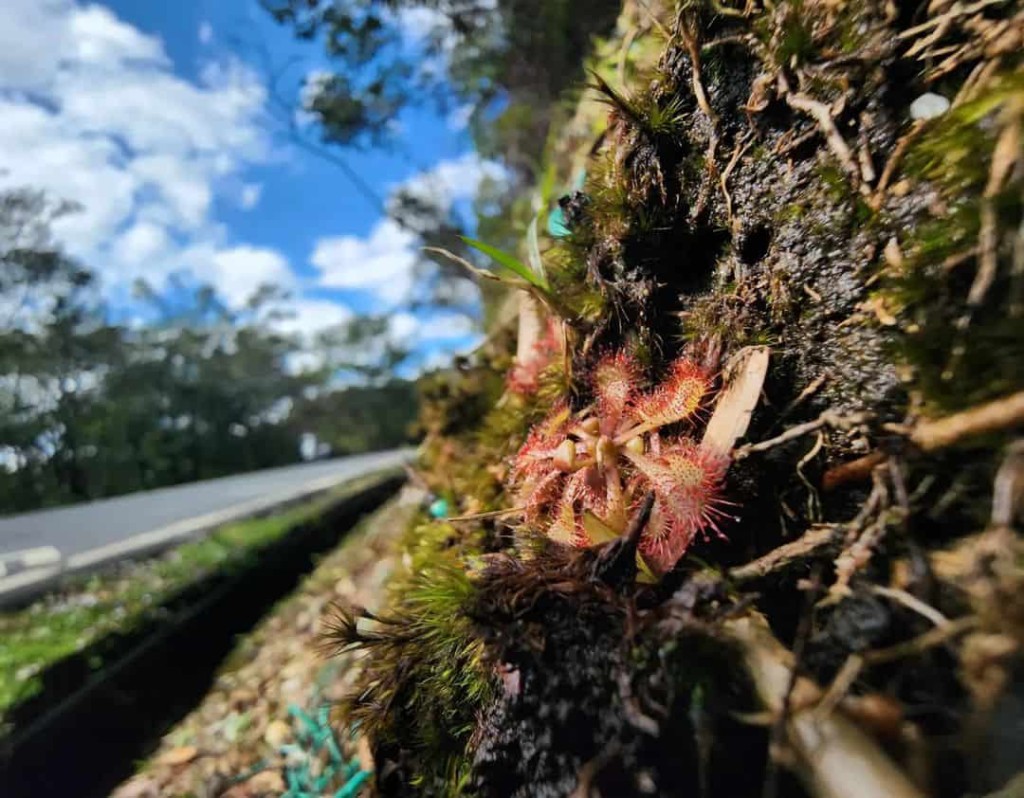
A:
<point x="524" y="377"/>
<point x="664" y="542"/>
<point x="583" y="493"/>
<point x="585" y="485"/>
<point x="563" y="523"/>
<point x="567" y="520"/>
<point x="686" y="480"/>
<point x="541" y="444"/>
<point x="536" y="480"/>
<point x="614" y="381"/>
<point x="698" y="473"/>
<point x="540" y="494"/>
<point x="677" y="397"/>
<point x="694" y="468"/>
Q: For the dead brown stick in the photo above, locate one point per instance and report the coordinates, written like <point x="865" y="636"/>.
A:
<point x="855" y="557"/>
<point x="831" y="754"/>
<point x="692" y="47"/>
<point x="821" y="114"/>
<point x="889" y="170"/>
<point x="841" y="684"/>
<point x="930" y="436"/>
<point x="690" y="40"/>
<point x="812" y="541"/>
<point x="911" y="603"/>
<point x="999" y="414"/>
<point x="741" y="147"/>
<point x="921" y="643"/>
<point x="828" y="418"/>
<point x="957" y="10"/>
<point x="853" y="471"/>
<point x="1008" y="487"/>
<point x="481" y="516"/>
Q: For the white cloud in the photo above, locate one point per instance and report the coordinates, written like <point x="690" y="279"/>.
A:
<point x="182" y="189"/>
<point x="308" y="317"/>
<point x="447" y="327"/>
<point x="312" y="315"/>
<point x="142" y="243"/>
<point x="250" y="195"/>
<point x="433" y="27"/>
<point x="458" y="119"/>
<point x="94" y="113"/>
<point x="150" y="109"/>
<point x="36" y="149"/>
<point x="455" y="180"/>
<point x="380" y="264"/>
<point x="405" y="328"/>
<point x="419" y="22"/>
<point x="33" y="37"/>
<point x="99" y="37"/>
<point x="402" y="326"/>
<point x="239" y="271"/>
<point x="312" y="85"/>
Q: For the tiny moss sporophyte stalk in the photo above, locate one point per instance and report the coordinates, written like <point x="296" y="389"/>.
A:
<point x="581" y="475"/>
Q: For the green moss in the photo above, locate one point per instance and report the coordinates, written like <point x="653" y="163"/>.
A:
<point x="788" y="34"/>
<point x="954" y="364"/>
<point x="425" y="679"/>
<point x="834" y="182"/>
<point x="83" y="612"/>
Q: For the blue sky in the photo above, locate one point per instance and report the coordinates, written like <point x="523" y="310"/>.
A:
<point x="156" y="118"/>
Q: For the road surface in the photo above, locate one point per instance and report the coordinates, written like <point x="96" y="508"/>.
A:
<point x="99" y="530"/>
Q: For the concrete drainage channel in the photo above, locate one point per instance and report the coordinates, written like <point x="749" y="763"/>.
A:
<point x="86" y="730"/>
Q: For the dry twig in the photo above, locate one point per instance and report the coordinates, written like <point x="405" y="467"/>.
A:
<point x="831" y="753"/>
<point x="999" y="414"/>
<point x="828" y="418"/>
<point x="741" y="147"/>
<point x="822" y="114"/>
<point x="933" y="435"/>
<point x="921" y="643"/>
<point x="807" y="545"/>
<point x="911" y="603"/>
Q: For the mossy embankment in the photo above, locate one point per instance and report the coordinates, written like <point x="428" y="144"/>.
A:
<point x="771" y="181"/>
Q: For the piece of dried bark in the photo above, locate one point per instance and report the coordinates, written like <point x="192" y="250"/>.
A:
<point x="743" y="378"/>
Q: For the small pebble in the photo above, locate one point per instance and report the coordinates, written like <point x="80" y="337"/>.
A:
<point x="929" y="106"/>
<point x="277" y="733"/>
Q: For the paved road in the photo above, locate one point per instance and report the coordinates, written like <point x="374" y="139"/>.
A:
<point x="86" y="531"/>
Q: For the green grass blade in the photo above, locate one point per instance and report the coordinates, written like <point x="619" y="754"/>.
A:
<point x="510" y="262"/>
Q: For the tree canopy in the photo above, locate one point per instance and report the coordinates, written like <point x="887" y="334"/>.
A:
<point x="191" y="389"/>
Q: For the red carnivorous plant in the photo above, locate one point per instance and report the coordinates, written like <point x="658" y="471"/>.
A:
<point x="524" y="376"/>
<point x="582" y="474"/>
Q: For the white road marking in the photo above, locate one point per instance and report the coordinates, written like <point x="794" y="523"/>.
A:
<point x="48" y="565"/>
<point x="181" y="530"/>
<point x="12" y="562"/>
